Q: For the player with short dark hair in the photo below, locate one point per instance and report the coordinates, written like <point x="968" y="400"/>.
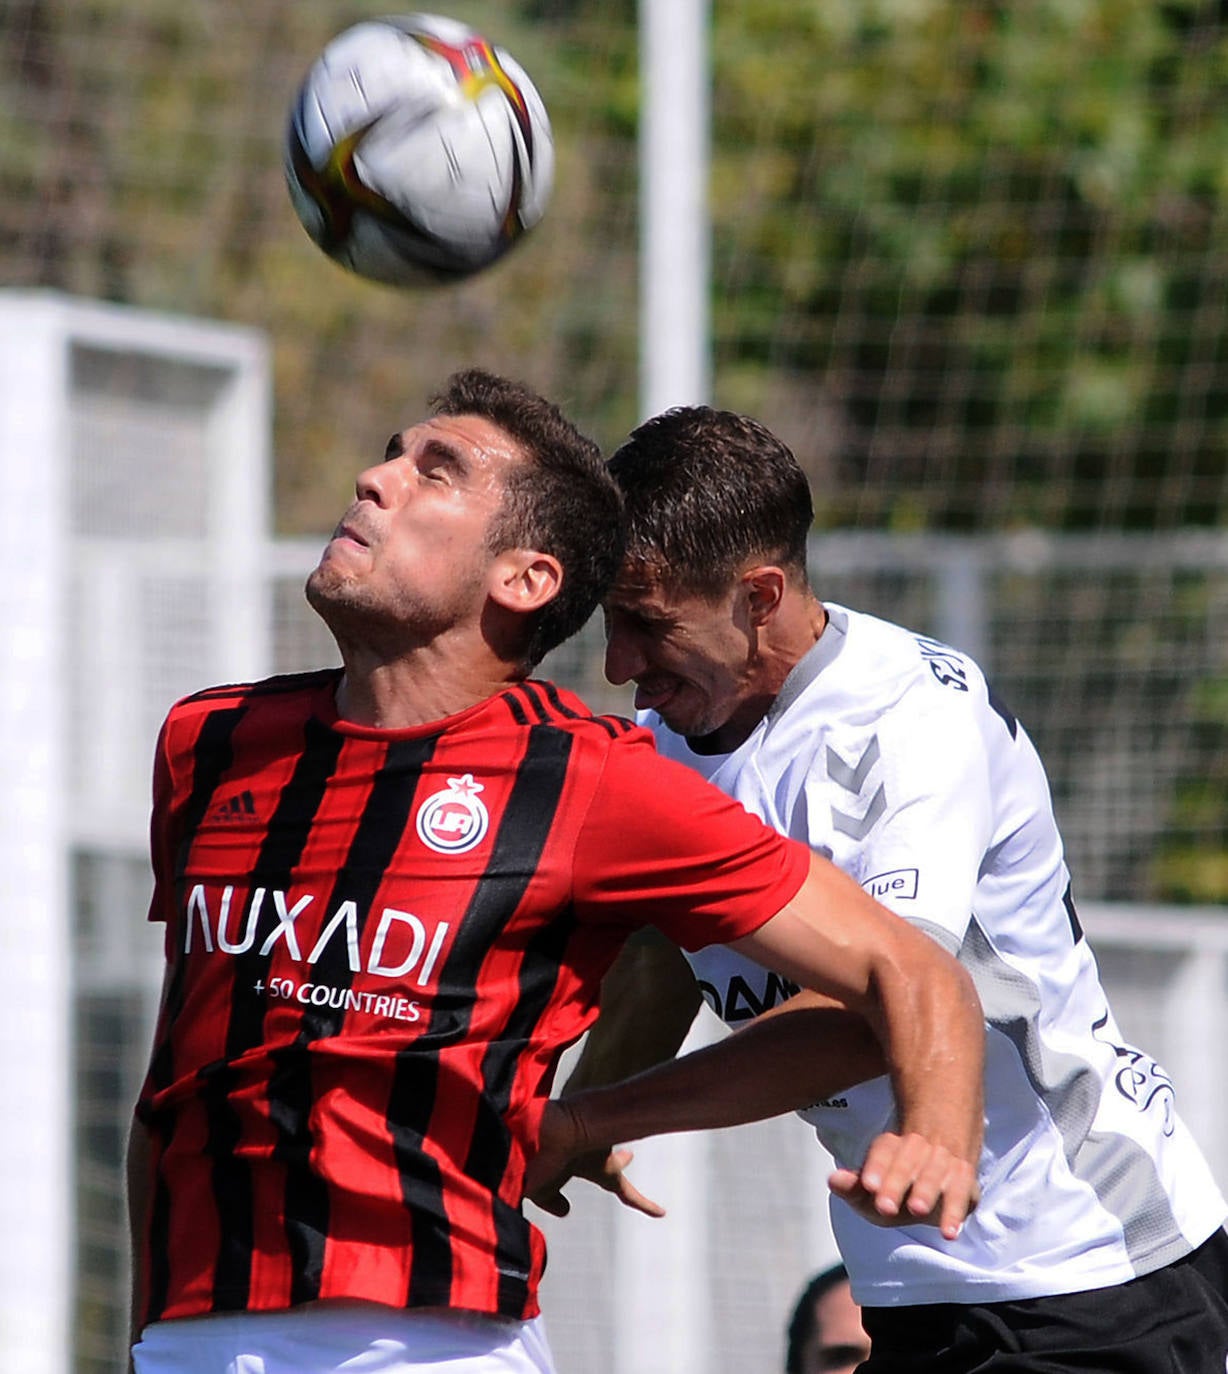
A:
<point x="390" y="891"/>
<point x="1098" y="1244"/>
<point x="825" y="1334"/>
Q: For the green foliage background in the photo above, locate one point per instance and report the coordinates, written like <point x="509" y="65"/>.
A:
<point x="973" y="253"/>
<point x="969" y="257"/>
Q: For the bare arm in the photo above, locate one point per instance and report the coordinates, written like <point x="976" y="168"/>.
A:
<point x="795" y="1055"/>
<point x="873" y="972"/>
<point x="649" y="999"/>
<point x="798" y="1053"/>
<point x="924" y="1009"/>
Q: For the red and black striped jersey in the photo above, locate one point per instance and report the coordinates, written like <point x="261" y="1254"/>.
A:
<point x="378" y="942"/>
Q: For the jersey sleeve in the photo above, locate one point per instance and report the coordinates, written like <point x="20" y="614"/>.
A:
<point x="660" y="846"/>
<point x="161" y="824"/>
<point x="922" y="857"/>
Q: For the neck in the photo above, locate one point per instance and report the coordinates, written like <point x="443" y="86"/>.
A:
<point x="416" y="688"/>
<point x="796" y="631"/>
<point x="784" y="641"/>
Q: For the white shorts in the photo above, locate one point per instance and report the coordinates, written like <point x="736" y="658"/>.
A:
<point x="344" y="1338"/>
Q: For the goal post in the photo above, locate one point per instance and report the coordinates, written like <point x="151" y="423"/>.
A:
<point x="134" y="476"/>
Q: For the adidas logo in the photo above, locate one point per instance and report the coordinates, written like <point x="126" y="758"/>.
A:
<point x="240" y="807"/>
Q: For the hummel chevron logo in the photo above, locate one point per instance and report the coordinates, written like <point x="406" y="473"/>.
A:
<point x="240" y="807"/>
<point x="849" y="778"/>
<point x="852" y="777"/>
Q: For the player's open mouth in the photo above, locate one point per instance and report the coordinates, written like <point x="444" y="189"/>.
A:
<point x="344" y="531"/>
<point x="653" y="695"/>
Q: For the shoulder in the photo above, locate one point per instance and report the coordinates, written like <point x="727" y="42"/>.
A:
<point x="623" y="753"/>
<point x="923" y="703"/>
<point x="281" y="691"/>
<point x="543" y="704"/>
<point x="885" y="664"/>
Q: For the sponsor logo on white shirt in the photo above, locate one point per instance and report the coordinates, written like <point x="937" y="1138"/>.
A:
<point x="899" y="883"/>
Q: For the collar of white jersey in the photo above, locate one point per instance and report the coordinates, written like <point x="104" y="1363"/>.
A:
<point x="811" y="663"/>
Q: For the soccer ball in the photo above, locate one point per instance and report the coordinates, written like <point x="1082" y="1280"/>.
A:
<point x="417" y="151"/>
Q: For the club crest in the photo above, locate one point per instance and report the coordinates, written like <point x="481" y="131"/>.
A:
<point x="454" y="819"/>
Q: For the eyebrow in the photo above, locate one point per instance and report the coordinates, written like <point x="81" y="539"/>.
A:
<point x="437" y="449"/>
<point x="645" y="615"/>
<point x="442" y="451"/>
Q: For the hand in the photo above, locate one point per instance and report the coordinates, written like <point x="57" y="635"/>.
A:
<point x="561" y="1155"/>
<point x="909" y="1181"/>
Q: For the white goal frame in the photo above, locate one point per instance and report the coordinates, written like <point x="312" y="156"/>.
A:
<point x="51" y="578"/>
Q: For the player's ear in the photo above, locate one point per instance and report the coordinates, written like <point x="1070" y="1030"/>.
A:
<point x="525" y="580"/>
<point x="764" y="589"/>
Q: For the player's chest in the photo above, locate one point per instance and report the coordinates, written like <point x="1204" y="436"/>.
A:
<point x="369" y="837"/>
<point x="826" y="786"/>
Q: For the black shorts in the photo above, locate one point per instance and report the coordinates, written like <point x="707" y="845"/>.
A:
<point x="1173" y="1321"/>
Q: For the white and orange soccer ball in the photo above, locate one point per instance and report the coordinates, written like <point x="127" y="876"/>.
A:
<point x="417" y="151"/>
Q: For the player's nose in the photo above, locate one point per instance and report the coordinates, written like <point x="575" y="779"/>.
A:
<point x="380" y="483"/>
<point x="624" y="659"/>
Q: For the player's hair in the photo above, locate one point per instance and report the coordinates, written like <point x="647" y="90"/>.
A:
<point x="804" y="1318"/>
<point x="704" y="491"/>
<point x="562" y="501"/>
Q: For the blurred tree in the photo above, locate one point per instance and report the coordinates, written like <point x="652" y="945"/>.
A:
<point x="992" y="236"/>
<point x="140" y="162"/>
<point x="969" y="256"/>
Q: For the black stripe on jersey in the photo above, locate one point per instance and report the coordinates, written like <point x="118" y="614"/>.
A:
<point x="283" y="684"/>
<point x="212" y="755"/>
<point x="541" y="779"/>
<point x="614" y="726"/>
<point x="556" y="701"/>
<point x="559" y="710"/>
<point x="531" y="691"/>
<point x="1076" y="927"/>
<point x="556" y="708"/>
<point x="518" y="845"/>
<point x="515" y="706"/>
<point x="380" y="831"/>
<point x="288" y="831"/>
<point x="488" y="1154"/>
<point x="997" y="704"/>
<point x="415" y="1084"/>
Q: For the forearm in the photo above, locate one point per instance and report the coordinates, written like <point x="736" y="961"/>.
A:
<point x="932" y="1026"/>
<point x="919" y="1000"/>
<point x="777" y="1063"/>
<point x="649" y="999"/>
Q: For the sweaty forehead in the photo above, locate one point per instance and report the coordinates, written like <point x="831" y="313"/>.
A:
<point x="472" y="434"/>
<point x="645" y="584"/>
<point x="637" y="587"/>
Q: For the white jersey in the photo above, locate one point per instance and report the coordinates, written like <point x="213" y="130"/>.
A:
<point x="887" y="752"/>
